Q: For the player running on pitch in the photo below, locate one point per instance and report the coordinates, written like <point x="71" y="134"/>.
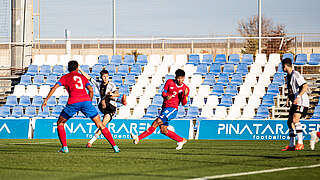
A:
<point x="108" y="99"/>
<point x="174" y="92"/>
<point x="79" y="100"/>
<point x="297" y="94"/>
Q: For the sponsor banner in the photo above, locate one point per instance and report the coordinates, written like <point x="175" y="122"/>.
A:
<point x="14" y="128"/>
<point x="119" y="128"/>
<point x="251" y="129"/>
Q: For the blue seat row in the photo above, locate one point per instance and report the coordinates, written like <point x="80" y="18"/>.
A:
<point x="220" y="59"/>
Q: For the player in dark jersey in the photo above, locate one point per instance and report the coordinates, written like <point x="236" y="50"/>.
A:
<point x="79" y="100"/>
<point x="174" y="92"/>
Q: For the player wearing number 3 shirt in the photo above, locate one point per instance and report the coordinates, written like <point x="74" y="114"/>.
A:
<point x="79" y="100"/>
<point x="174" y="93"/>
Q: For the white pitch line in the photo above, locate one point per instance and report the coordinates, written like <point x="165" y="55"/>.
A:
<point x="254" y="172"/>
<point x="26" y="143"/>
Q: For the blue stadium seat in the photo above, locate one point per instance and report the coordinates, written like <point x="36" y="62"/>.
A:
<point x="63" y="100"/>
<point x="111" y="68"/>
<point x="51" y="80"/>
<point x="202" y="69"/>
<point x="301" y="59"/>
<point x="124" y="89"/>
<point x="30" y="112"/>
<point x="236" y="79"/>
<point x="94" y="101"/>
<point x="135" y="70"/>
<point x="11" y="101"/>
<point x="117" y="80"/>
<point x="152" y="112"/>
<point x="215" y="69"/>
<point x="231" y="90"/>
<point x="194" y="59"/>
<point x="181" y="113"/>
<point x="52" y="101"/>
<point x="228" y="68"/>
<point x="220" y="58"/>
<point x="24" y="101"/>
<point x="116" y="60"/>
<point x="218" y="90"/>
<point x="288" y="55"/>
<point x="207" y="59"/>
<point x="37" y="101"/>
<point x="168" y="76"/>
<point x="280" y="70"/>
<point x="223" y="79"/>
<point x="314" y="59"/>
<point x="128" y="60"/>
<point x="32" y="70"/>
<point x="278" y="79"/>
<point x="130" y="80"/>
<point x="316" y="113"/>
<point x="38" y="80"/>
<point x="242" y="68"/>
<point x="234" y="58"/>
<point x="247" y="59"/>
<point x="123" y="70"/>
<point x="45" y="113"/>
<point x="45" y="70"/>
<point x="56" y="110"/>
<point x="226" y="100"/>
<point x="17" y="111"/>
<point x="85" y="68"/>
<point x="273" y="89"/>
<point x="157" y="100"/>
<point x="25" y="80"/>
<point x="193" y="112"/>
<point x="57" y="70"/>
<point x="4" y="111"/>
<point x="160" y="89"/>
<point x="96" y="69"/>
<point x="103" y="60"/>
<point x="142" y="59"/>
<point x="209" y="80"/>
<point x="262" y="113"/>
<point x="267" y="100"/>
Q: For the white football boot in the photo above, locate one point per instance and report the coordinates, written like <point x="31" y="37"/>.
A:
<point x="180" y="144"/>
<point x="314" y="139"/>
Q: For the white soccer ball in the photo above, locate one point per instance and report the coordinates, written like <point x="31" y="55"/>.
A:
<point x="171" y="128"/>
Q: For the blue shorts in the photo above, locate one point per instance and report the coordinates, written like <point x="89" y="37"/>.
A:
<point x="85" y="107"/>
<point x="167" y="114"/>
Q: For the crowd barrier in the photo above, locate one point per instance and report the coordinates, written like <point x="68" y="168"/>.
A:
<point x="38" y="128"/>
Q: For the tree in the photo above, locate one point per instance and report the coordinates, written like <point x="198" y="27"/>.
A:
<point x="250" y="28"/>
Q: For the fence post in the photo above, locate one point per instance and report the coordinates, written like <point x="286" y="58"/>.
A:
<point x="302" y="39"/>
<point x="228" y="46"/>
<point x="191" y="46"/>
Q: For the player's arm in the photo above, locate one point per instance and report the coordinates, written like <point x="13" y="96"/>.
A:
<point x="304" y="89"/>
<point x="52" y="90"/>
<point x="165" y="94"/>
<point x="90" y="89"/>
<point x="114" y="94"/>
<point x="185" y="95"/>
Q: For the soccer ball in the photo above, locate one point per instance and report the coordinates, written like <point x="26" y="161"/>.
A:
<point x="171" y="128"/>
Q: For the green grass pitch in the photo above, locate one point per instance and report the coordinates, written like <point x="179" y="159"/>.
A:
<point x="153" y="159"/>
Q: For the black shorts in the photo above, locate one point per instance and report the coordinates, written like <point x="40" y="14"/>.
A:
<point x="298" y="109"/>
<point x="110" y="109"/>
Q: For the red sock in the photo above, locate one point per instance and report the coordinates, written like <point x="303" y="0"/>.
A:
<point x="149" y="131"/>
<point x="318" y="134"/>
<point x="62" y="135"/>
<point x="174" y="136"/>
<point x="108" y="136"/>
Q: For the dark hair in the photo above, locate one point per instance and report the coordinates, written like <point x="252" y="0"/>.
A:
<point x="72" y="65"/>
<point x="180" y="72"/>
<point x="287" y="61"/>
<point x="104" y="72"/>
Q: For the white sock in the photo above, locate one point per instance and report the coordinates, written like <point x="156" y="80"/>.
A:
<point x="94" y="138"/>
<point x="299" y="133"/>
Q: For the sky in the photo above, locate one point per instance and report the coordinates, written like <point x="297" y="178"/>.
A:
<point x="137" y="18"/>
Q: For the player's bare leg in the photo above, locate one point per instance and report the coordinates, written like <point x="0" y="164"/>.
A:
<point x="180" y="141"/>
<point x="299" y="131"/>
<point x="106" y="133"/>
<point x="105" y="121"/>
<point x="62" y="134"/>
<point x="149" y="131"/>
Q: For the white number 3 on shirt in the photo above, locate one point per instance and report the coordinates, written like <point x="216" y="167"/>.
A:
<point x="79" y="84"/>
